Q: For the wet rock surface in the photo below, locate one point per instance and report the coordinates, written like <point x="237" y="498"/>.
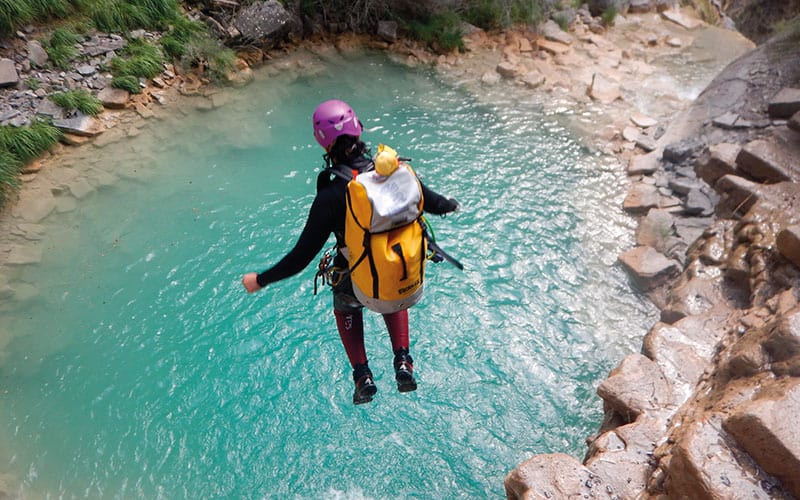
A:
<point x="717" y="384"/>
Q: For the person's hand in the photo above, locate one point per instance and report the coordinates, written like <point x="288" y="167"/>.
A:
<point x="456" y="205"/>
<point x="250" y="282"/>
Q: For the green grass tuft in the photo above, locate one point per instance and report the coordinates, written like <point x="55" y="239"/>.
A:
<point x="608" y="15"/>
<point x="79" y="100"/>
<point x="182" y="32"/>
<point x="60" y="47"/>
<point x="441" y="32"/>
<point x="121" y="16"/>
<point x="18" y="146"/>
<point x="205" y="51"/>
<point x="139" y="59"/>
<point x="129" y="83"/>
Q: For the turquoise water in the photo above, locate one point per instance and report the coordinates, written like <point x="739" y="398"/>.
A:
<point x="141" y="369"/>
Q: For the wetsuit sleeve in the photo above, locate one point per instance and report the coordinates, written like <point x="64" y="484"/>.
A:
<point x="435" y="203"/>
<point x="315" y="233"/>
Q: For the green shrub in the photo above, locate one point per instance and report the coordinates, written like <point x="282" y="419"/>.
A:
<point x="15" y="13"/>
<point x="48" y="9"/>
<point x="609" y="15"/>
<point x="139" y="59"/>
<point x="60" y="47"/>
<point x="209" y="53"/>
<point x="496" y="14"/>
<point x="129" y="83"/>
<point x="441" y="32"/>
<point x="485" y="14"/>
<point x="79" y="100"/>
<point x="180" y="35"/>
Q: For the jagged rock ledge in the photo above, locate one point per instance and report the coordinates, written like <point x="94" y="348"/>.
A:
<point x="709" y="407"/>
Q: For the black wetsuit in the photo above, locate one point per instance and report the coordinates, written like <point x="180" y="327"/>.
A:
<point x="327" y="215"/>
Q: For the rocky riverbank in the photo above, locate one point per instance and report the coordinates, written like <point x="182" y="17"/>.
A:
<point x="708" y="408"/>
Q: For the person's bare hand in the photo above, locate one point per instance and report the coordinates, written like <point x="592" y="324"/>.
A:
<point x="250" y="282"/>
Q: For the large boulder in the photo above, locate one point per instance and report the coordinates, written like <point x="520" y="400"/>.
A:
<point x="706" y="464"/>
<point x="264" y="23"/>
<point x="686" y="348"/>
<point x="718" y="160"/>
<point x="647" y="267"/>
<point x="635" y="387"/>
<point x="554" y="476"/>
<point x="624" y="456"/>
<point x="767" y="430"/>
<point x="769" y="160"/>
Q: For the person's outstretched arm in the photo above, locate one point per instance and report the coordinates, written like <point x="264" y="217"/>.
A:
<point x="315" y="233"/>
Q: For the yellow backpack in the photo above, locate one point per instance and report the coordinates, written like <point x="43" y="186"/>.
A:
<point x="386" y="246"/>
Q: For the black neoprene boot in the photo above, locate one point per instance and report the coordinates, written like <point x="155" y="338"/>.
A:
<point x="365" y="385"/>
<point x="404" y="371"/>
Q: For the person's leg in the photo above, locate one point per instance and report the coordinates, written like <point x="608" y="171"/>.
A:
<point x="351" y="330"/>
<point x="397" y="324"/>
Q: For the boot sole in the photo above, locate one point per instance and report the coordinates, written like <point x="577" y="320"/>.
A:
<point x="365" y="395"/>
<point x="406" y="384"/>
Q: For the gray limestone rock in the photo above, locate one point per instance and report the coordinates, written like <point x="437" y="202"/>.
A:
<point x="604" y="90"/>
<point x="766" y="161"/>
<point x="8" y="73"/>
<point x="36" y="54"/>
<point x="684" y="349"/>
<point x="785" y="103"/>
<point x="624" y="456"/>
<point x="264" y="22"/>
<point x="692" y="297"/>
<point x="114" y="98"/>
<point x="697" y="203"/>
<point x="705" y="464"/>
<point x="643" y="164"/>
<point x="508" y="69"/>
<point x="647" y="267"/>
<point x="533" y="79"/>
<point x="635" y="387"/>
<point x="678" y="152"/>
<point x="554" y="476"/>
<point x="82" y="125"/>
<point x="387" y="30"/>
<point x="718" y="160"/>
<point x="657" y="230"/>
<point x="641" y="198"/>
<point x="738" y="194"/>
<point x="553" y="32"/>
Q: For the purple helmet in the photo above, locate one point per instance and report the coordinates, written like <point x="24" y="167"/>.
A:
<point x="332" y="119"/>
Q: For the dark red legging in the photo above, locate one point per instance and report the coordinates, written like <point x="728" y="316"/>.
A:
<point x="351" y="330"/>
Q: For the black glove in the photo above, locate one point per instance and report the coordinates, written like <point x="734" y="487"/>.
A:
<point x="454" y="205"/>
